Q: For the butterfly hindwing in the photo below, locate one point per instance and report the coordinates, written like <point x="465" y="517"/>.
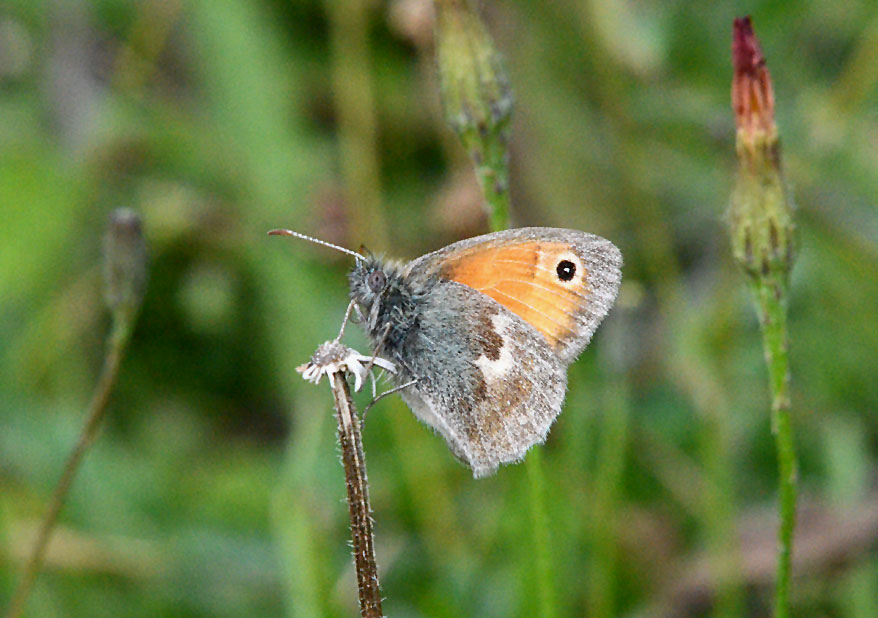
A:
<point x="484" y="382"/>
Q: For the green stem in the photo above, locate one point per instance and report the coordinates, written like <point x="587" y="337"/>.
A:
<point x="490" y="156"/>
<point x="604" y="515"/>
<point x="544" y="571"/>
<point x="478" y="105"/>
<point x="491" y="159"/>
<point x="770" y="293"/>
<point x="96" y="411"/>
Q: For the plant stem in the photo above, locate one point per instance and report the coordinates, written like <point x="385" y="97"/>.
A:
<point x="354" y="462"/>
<point x="604" y="514"/>
<point x="476" y="98"/>
<point x="764" y="245"/>
<point x="491" y="159"/>
<point x="542" y="542"/>
<point x="478" y="104"/>
<point x="490" y="156"/>
<point x="95" y="414"/>
<point x="770" y="294"/>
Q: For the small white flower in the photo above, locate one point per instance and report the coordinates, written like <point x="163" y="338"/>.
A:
<point x="332" y="357"/>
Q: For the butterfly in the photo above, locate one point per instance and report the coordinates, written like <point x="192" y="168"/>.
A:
<point x="483" y="330"/>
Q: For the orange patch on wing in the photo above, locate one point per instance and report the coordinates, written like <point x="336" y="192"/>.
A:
<point x="523" y="277"/>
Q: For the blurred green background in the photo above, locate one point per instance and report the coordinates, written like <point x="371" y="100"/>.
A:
<point x="215" y="487"/>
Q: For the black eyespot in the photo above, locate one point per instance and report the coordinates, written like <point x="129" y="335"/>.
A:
<point x="566" y="270"/>
<point x="376" y="280"/>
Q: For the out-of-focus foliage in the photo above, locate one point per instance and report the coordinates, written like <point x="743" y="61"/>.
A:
<point x="215" y="488"/>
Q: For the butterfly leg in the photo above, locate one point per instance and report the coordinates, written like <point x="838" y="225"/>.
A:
<point x="395" y="389"/>
<point x="347" y="316"/>
<point x="371" y="362"/>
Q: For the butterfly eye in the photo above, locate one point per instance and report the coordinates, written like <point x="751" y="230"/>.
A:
<point x="566" y="270"/>
<point x="376" y="280"/>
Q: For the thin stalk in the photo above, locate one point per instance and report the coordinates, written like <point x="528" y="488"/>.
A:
<point x="125" y="276"/>
<point x="478" y="102"/>
<point x="476" y="98"/>
<point x="542" y="543"/>
<point x="490" y="156"/>
<point x="770" y="293"/>
<point x="604" y="513"/>
<point x="763" y="244"/>
<point x="491" y="160"/>
<point x="354" y="462"/>
<point x="493" y="175"/>
<point x="96" y="411"/>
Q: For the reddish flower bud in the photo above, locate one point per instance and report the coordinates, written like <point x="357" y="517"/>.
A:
<point x="763" y="234"/>
<point x="752" y="92"/>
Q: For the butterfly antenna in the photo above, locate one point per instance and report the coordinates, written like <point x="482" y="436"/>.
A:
<point x="316" y="241"/>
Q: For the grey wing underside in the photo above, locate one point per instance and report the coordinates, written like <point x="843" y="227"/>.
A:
<point x="487" y="382"/>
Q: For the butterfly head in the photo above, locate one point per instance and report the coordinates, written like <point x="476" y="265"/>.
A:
<point x="377" y="286"/>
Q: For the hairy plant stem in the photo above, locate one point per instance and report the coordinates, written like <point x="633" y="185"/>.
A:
<point x="97" y="408"/>
<point x="764" y="245"/>
<point x="490" y="156"/>
<point x="476" y="98"/>
<point x="354" y="462"/>
<point x="769" y="292"/>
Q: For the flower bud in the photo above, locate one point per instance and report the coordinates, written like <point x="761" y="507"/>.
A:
<point x="475" y="91"/>
<point x="125" y="263"/>
<point x="762" y="227"/>
<point x="477" y="99"/>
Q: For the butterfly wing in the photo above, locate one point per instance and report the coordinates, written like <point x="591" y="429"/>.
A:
<point x="560" y="282"/>
<point x="506" y="315"/>
<point x="486" y="380"/>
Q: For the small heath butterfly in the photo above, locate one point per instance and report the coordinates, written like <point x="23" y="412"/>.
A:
<point x="484" y="330"/>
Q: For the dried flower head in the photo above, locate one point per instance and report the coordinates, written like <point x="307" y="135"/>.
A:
<point x="333" y="357"/>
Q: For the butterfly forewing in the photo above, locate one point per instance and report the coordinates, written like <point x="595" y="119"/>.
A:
<point x="560" y="282"/>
